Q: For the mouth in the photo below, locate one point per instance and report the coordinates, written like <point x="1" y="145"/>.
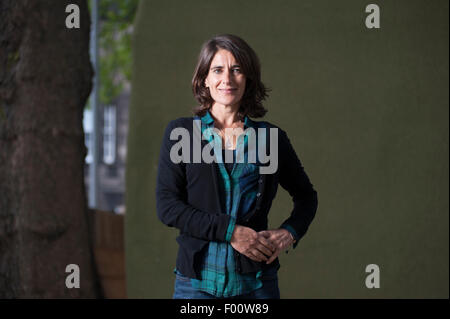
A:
<point x="228" y="91"/>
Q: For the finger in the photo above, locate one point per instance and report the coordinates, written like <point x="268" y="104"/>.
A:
<point x="264" y="251"/>
<point x="265" y="248"/>
<point x="266" y="239"/>
<point x="265" y="233"/>
<point x="287" y="242"/>
<point x="273" y="257"/>
<point x="267" y="243"/>
<point x="259" y="255"/>
<point x="254" y="258"/>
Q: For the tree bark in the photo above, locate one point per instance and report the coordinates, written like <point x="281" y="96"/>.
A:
<point x="45" y="80"/>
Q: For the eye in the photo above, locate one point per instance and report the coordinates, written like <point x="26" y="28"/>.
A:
<point x="217" y="71"/>
<point x="237" y="70"/>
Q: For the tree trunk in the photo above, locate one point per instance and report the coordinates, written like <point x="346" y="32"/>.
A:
<point x="45" y="79"/>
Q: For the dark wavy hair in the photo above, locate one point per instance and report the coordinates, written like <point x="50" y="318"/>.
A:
<point x="255" y="91"/>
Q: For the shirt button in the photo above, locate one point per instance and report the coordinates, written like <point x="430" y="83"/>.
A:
<point x="260" y="180"/>
<point x="259" y="194"/>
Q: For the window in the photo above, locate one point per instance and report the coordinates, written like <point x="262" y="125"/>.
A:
<point x="109" y="134"/>
<point x="88" y="130"/>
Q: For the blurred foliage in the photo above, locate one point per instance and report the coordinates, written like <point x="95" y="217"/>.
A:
<point x="114" y="43"/>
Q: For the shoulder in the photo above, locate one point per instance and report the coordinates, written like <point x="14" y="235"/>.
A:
<point x="181" y="122"/>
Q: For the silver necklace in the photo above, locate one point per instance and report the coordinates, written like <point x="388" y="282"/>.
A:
<point x="228" y="140"/>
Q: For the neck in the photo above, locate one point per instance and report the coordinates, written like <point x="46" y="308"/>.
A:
<point x="225" y="115"/>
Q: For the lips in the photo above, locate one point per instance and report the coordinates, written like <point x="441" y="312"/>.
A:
<point x="228" y="90"/>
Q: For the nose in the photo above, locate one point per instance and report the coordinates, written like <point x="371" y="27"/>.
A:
<point x="227" y="76"/>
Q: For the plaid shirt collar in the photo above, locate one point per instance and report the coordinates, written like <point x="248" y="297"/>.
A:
<point x="208" y="120"/>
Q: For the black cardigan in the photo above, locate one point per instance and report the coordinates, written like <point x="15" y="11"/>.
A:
<point x="187" y="197"/>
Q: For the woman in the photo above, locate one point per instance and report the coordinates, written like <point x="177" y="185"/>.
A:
<point x="212" y="185"/>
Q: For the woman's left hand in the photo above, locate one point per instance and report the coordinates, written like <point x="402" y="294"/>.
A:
<point x="280" y="238"/>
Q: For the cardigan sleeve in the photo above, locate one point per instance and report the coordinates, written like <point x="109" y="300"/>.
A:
<point x="171" y="200"/>
<point x="294" y="180"/>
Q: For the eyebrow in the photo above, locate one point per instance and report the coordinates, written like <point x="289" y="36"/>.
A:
<point x="221" y="67"/>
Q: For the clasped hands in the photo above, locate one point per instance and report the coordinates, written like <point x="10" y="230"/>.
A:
<point x="260" y="246"/>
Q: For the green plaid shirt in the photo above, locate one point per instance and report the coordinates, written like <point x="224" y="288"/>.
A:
<point x="238" y="190"/>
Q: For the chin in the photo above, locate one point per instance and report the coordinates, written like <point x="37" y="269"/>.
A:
<point x="228" y="103"/>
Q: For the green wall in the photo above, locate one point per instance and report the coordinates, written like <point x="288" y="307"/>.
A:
<point x="366" y="111"/>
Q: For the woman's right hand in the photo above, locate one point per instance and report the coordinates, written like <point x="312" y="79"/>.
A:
<point x="251" y="244"/>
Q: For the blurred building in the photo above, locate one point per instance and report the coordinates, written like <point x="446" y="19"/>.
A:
<point x="113" y="130"/>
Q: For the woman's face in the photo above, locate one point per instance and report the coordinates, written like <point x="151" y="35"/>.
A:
<point x="225" y="79"/>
